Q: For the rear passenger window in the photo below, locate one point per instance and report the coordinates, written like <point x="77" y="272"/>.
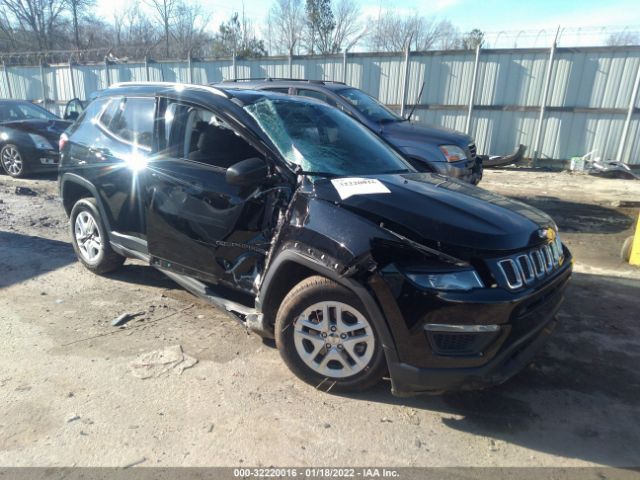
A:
<point x="277" y="89"/>
<point x="313" y="94"/>
<point x="130" y="120"/>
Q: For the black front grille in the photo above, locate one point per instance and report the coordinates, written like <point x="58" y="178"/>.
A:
<point x="524" y="269"/>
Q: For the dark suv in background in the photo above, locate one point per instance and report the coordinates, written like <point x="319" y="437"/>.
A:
<point x="427" y="147"/>
<point x="307" y="227"/>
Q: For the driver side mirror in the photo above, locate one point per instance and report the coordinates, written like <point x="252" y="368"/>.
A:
<point x="249" y="172"/>
<point x="72" y="116"/>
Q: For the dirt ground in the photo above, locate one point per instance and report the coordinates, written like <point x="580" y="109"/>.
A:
<point x="68" y="397"/>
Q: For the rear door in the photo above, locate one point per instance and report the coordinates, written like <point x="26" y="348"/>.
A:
<point x="198" y="224"/>
<point x="110" y="146"/>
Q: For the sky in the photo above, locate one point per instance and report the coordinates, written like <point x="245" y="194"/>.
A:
<point x="494" y="16"/>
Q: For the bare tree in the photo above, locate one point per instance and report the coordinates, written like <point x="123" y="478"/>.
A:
<point x="164" y="11"/>
<point x="448" y="37"/>
<point x="320" y="22"/>
<point x="286" y="18"/>
<point x="95" y="32"/>
<point x="623" y="39"/>
<point x="37" y="17"/>
<point x="7" y="32"/>
<point x="133" y="27"/>
<point x="392" y="32"/>
<point x="189" y="27"/>
<point x="348" y="28"/>
<point x="77" y="8"/>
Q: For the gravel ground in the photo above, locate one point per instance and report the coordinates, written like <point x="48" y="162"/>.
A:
<point x="68" y="397"/>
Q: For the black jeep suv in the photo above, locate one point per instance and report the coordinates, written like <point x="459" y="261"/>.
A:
<point x="427" y="147"/>
<point x="304" y="225"/>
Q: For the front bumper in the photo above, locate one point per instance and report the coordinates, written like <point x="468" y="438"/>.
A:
<point x="462" y="170"/>
<point x="525" y="322"/>
<point x="408" y="380"/>
<point x="40" y="160"/>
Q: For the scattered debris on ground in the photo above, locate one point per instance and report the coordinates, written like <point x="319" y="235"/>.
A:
<point x="26" y="191"/>
<point x="124" y="318"/>
<point x="160" y="362"/>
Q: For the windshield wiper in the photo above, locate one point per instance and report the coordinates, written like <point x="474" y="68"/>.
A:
<point x="300" y="171"/>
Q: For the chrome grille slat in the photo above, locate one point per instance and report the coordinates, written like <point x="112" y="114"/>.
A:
<point x="538" y="263"/>
<point x="513" y="277"/>
<point x="526" y="268"/>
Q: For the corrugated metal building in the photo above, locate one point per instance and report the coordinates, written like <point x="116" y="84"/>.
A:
<point x="589" y="93"/>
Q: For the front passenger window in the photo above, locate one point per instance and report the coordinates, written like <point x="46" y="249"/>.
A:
<point x="206" y="138"/>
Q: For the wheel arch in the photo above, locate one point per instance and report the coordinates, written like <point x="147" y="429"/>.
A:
<point x="294" y="266"/>
<point x="74" y="187"/>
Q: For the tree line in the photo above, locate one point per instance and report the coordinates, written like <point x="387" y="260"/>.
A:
<point x="165" y="29"/>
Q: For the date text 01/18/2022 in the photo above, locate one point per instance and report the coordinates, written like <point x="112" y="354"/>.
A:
<point x="364" y="473"/>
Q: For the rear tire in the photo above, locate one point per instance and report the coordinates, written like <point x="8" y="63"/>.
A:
<point x="339" y="353"/>
<point x="90" y="239"/>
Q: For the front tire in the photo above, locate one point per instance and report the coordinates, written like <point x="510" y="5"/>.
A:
<point x="325" y="338"/>
<point x="12" y="161"/>
<point x="90" y="239"/>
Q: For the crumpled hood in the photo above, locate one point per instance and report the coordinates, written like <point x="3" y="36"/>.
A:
<point x="50" y="129"/>
<point x="438" y="209"/>
<point x="408" y="133"/>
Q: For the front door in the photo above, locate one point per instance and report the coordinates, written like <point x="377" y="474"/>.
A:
<point x="197" y="223"/>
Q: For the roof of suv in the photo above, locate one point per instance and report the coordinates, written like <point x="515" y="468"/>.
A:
<point x="259" y="83"/>
<point x="246" y="95"/>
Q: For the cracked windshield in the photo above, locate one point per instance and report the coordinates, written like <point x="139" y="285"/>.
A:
<point x="322" y="140"/>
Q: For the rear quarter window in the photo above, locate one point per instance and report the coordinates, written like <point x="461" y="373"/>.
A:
<point x="130" y="120"/>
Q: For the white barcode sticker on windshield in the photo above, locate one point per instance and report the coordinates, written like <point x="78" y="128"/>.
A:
<point x="348" y="187"/>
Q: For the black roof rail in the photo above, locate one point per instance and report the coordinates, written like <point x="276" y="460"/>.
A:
<point x="282" y="79"/>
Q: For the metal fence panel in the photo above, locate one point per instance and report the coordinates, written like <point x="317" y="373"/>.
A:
<point x="511" y="78"/>
<point x="593" y="79"/>
<point x="589" y="94"/>
<point x="502" y="131"/>
<point x="447" y="78"/>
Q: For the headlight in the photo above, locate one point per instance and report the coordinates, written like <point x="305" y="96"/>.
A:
<point x="455" y="281"/>
<point x="40" y="142"/>
<point x="453" y="153"/>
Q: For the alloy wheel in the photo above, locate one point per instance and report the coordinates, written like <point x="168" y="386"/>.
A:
<point x="12" y="160"/>
<point x="87" y="236"/>
<point x="334" y="339"/>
